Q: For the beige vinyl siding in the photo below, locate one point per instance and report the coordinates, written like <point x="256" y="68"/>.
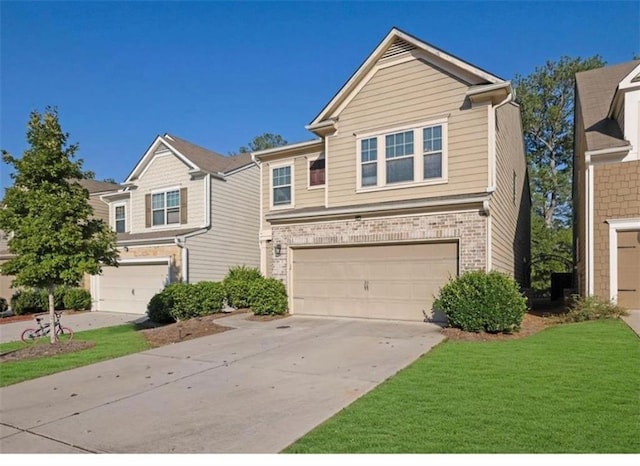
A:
<point x="167" y="171"/>
<point x="100" y="208"/>
<point x="233" y="237"/>
<point x="410" y="92"/>
<point x="510" y="230"/>
<point x="303" y="197"/>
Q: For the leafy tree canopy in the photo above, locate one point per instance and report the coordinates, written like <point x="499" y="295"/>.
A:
<point x="262" y="142"/>
<point x="54" y="237"/>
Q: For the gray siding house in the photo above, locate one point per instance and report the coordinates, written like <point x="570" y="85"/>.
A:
<point x="184" y="213"/>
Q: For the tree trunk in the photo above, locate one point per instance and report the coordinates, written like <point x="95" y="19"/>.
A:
<point x="52" y="317"/>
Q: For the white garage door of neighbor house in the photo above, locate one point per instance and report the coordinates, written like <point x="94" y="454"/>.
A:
<point x="383" y="282"/>
<point x="129" y="287"/>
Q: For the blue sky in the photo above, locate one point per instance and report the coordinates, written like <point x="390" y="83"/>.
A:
<point x="220" y="73"/>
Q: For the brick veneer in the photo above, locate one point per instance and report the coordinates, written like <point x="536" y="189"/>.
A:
<point x="617" y="195"/>
<point x="172" y="251"/>
<point x="467" y="227"/>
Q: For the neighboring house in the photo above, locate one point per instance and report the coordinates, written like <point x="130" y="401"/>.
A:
<point x="606" y="183"/>
<point x="418" y="174"/>
<point x="184" y="214"/>
<point x="100" y="209"/>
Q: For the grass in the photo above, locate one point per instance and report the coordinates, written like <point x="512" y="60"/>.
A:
<point x="573" y="388"/>
<point x="111" y="342"/>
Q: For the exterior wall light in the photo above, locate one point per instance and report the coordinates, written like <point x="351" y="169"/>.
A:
<point x="278" y="249"/>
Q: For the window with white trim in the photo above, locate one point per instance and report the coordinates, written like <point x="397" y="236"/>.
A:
<point x="120" y="218"/>
<point x="165" y="208"/>
<point x="412" y="156"/>
<point x="317" y="172"/>
<point x="369" y="161"/>
<point x="281" y="186"/>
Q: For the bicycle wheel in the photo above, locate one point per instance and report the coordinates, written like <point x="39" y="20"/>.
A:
<point x="64" y="334"/>
<point x="30" y="335"/>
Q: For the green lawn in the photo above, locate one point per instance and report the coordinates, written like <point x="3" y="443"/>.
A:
<point x="570" y="389"/>
<point x="111" y="342"/>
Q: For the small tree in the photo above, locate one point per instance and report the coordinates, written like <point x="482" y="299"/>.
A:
<point x="262" y="142"/>
<point x="54" y="237"/>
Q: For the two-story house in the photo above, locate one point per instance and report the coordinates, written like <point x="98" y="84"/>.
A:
<point x="96" y="189"/>
<point x="417" y="174"/>
<point x="184" y="213"/>
<point x="606" y="183"/>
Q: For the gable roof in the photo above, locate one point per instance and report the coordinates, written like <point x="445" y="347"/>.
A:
<point x="397" y="42"/>
<point x="95" y="186"/>
<point x="596" y="90"/>
<point x="196" y="157"/>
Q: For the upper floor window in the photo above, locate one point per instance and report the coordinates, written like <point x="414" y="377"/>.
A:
<point x="405" y="164"/>
<point x="281" y="186"/>
<point x="120" y="218"/>
<point x="165" y="208"/>
<point x="316" y="172"/>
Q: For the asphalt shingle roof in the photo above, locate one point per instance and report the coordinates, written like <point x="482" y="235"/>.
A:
<point x="207" y="159"/>
<point x="596" y="89"/>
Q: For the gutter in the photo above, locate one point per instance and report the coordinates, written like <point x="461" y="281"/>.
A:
<point x="376" y="209"/>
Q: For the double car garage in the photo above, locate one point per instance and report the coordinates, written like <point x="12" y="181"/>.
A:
<point x="391" y="281"/>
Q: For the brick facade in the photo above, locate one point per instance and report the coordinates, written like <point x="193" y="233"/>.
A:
<point x="169" y="250"/>
<point x="616" y="197"/>
<point x="469" y="228"/>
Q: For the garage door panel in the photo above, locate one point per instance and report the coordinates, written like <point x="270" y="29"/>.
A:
<point x="629" y="269"/>
<point x="382" y="281"/>
<point x="129" y="287"/>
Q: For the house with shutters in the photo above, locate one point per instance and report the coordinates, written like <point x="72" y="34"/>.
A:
<point x="417" y="174"/>
<point x="184" y="213"/>
<point x="606" y="183"/>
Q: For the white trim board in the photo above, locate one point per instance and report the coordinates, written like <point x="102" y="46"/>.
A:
<point x="615" y="226"/>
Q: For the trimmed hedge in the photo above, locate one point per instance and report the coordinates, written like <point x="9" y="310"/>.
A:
<point x="479" y="301"/>
<point x="236" y="285"/>
<point x="31" y="301"/>
<point x="267" y="296"/>
<point x="77" y="299"/>
<point x="182" y="301"/>
<point x="3" y="305"/>
<point x="593" y="308"/>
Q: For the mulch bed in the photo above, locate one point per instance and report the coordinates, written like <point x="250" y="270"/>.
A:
<point x="45" y="349"/>
<point x="266" y="318"/>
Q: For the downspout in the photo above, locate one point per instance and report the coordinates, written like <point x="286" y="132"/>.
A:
<point x="184" y="258"/>
<point x="492" y="115"/>
<point x="326" y="172"/>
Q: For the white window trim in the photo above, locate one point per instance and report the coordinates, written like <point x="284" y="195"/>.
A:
<point x="115" y="219"/>
<point x="418" y="156"/>
<point x="309" y="161"/>
<point x="615" y="226"/>
<point x="166" y="226"/>
<point x="272" y="166"/>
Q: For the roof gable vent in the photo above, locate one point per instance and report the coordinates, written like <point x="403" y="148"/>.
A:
<point x="399" y="46"/>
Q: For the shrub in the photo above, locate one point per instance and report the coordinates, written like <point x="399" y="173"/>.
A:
<point x="592" y="308"/>
<point x="267" y="296"/>
<point x="29" y="301"/>
<point x="236" y="285"/>
<point x="182" y="301"/>
<point x="3" y="305"/>
<point x="478" y="301"/>
<point x="77" y="299"/>
<point x="58" y="297"/>
<point x="159" y="308"/>
<point x="210" y="295"/>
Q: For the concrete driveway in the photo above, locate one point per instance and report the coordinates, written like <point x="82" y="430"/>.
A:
<point x="76" y="322"/>
<point x="254" y="389"/>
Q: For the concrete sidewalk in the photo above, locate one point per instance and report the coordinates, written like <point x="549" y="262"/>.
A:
<point x="76" y="322"/>
<point x="633" y="320"/>
<point x="254" y="389"/>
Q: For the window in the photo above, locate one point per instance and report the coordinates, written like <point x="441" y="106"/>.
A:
<point x="432" y="152"/>
<point x="120" y="219"/>
<point x="281" y="182"/>
<point x="412" y="156"/>
<point x="165" y="208"/>
<point x="369" y="161"/>
<point x="399" y="154"/>
<point x="316" y="172"/>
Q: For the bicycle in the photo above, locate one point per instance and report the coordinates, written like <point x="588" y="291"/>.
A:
<point x="30" y="335"/>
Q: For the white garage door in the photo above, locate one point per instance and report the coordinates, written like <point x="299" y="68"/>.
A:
<point x="383" y="282"/>
<point x="129" y="287"/>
